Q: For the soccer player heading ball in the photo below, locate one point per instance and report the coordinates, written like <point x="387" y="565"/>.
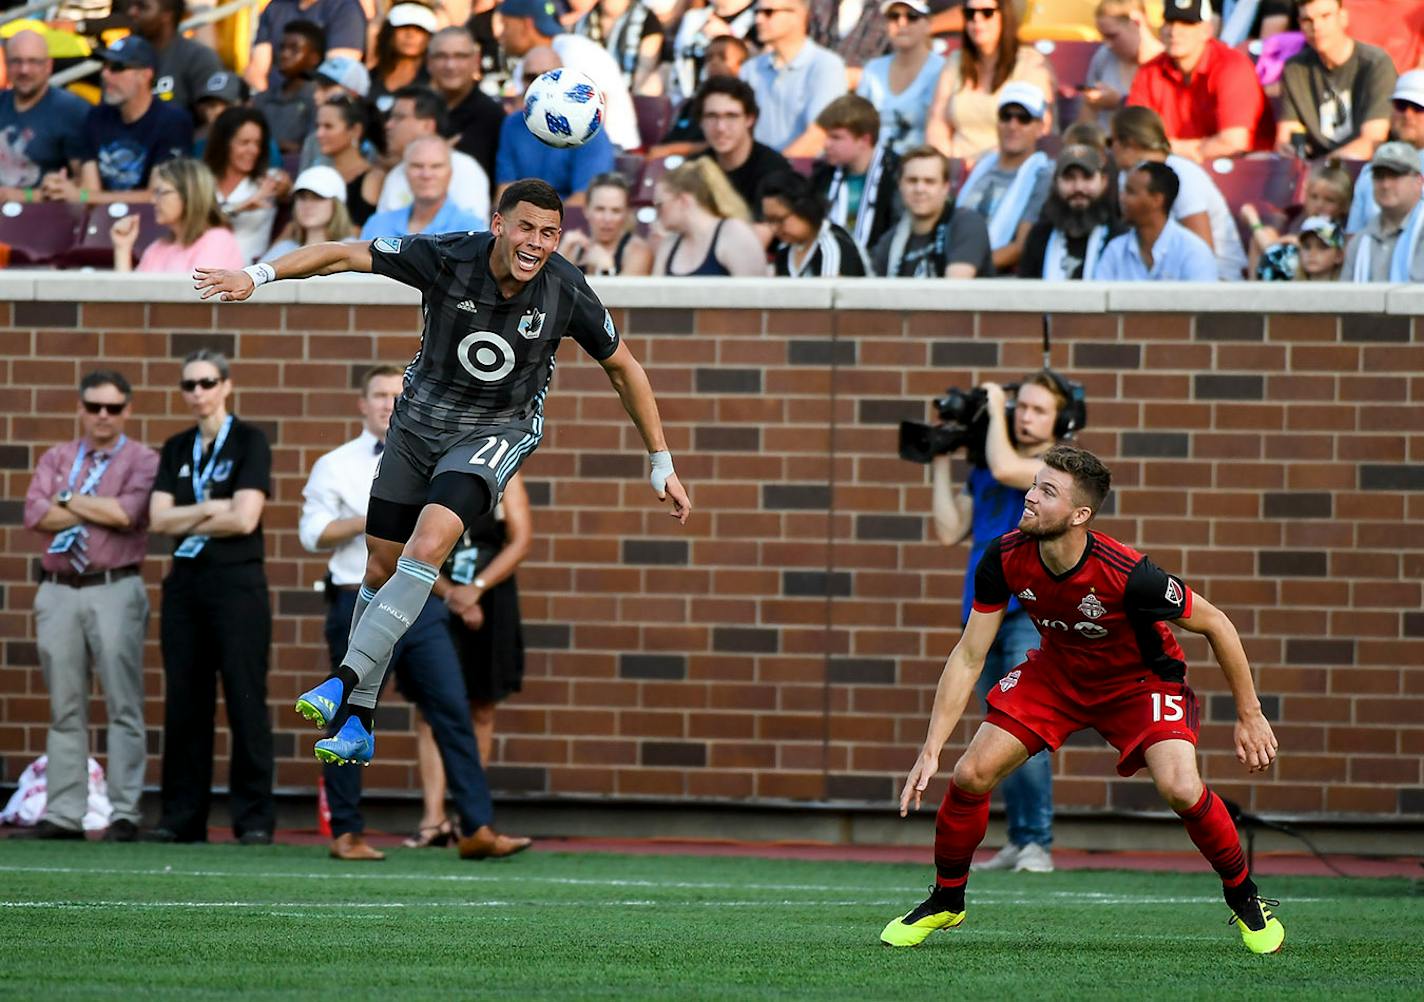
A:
<point x="1108" y="661"/>
<point x="496" y="306"/>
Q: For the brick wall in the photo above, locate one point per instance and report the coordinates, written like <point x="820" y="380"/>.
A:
<point x="784" y="646"/>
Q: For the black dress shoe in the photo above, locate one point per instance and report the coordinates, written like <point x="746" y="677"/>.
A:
<point x="159" y="835"/>
<point x="48" y="830"/>
<point x="122" y="830"/>
<point x="256" y="836"/>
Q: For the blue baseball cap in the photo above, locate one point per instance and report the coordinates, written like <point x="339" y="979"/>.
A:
<point x="543" y="13"/>
<point x="130" y="52"/>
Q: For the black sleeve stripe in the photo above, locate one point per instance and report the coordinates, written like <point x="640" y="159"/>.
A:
<point x="1117" y="561"/>
<point x="1012" y="540"/>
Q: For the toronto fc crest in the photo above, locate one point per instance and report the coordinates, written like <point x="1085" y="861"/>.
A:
<point x="1091" y="607"/>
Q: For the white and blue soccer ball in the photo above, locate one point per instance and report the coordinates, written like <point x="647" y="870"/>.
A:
<point x="563" y="108"/>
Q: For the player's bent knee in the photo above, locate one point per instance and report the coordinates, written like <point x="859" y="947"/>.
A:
<point x="971" y="776"/>
<point x="1181" y="790"/>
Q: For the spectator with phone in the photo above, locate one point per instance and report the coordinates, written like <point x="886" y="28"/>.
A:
<point x="1128" y="42"/>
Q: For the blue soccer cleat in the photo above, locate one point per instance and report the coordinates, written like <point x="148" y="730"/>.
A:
<point x="320" y="705"/>
<point x="352" y="745"/>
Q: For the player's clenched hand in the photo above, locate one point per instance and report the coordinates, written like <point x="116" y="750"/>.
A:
<point x="681" y="503"/>
<point x="925" y="768"/>
<point x="229" y="286"/>
<point x="1255" y="742"/>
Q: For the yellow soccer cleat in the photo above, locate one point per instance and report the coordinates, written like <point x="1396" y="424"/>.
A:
<point x="1261" y="931"/>
<point x="914" y="928"/>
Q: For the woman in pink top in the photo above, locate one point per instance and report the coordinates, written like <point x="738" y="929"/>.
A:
<point x="185" y="203"/>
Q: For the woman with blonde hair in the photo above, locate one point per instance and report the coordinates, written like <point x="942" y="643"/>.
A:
<point x="185" y="201"/>
<point x="707" y="218"/>
<point x="963" y="118"/>
<point x="1275" y="253"/>
<point x="318" y="212"/>
<point x="610" y="247"/>
<point x="1128" y="42"/>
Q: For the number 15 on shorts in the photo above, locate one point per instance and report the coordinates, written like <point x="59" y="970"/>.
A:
<point x="1168" y="706"/>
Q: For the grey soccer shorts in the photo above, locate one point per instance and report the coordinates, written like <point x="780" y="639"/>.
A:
<point x="415" y="455"/>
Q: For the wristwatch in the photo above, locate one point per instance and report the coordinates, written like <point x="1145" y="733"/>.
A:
<point x="63" y="498"/>
<point x="481" y="584"/>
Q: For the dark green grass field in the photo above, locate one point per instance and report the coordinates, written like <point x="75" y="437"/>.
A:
<point x="197" y="922"/>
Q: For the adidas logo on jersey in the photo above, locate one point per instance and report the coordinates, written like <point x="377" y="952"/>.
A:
<point x="468" y="306"/>
<point x="1027" y="595"/>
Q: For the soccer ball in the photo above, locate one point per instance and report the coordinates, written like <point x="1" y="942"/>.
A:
<point x="563" y="108"/>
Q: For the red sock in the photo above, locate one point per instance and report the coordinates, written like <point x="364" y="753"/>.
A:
<point x="959" y="828"/>
<point x="1211" y="829"/>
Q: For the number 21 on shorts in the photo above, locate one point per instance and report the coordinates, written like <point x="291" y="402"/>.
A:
<point x="478" y="459"/>
<point x="1167" y="706"/>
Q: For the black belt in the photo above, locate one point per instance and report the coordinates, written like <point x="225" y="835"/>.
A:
<point x="89" y="580"/>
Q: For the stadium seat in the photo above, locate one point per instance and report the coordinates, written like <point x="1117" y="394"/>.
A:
<point x="574" y="219"/>
<point x="648" y="177"/>
<point x="1069" y="60"/>
<point x="1271" y="183"/>
<point x="1060" y="20"/>
<point x="94" y="249"/>
<point x="654" y="117"/>
<point x="37" y="234"/>
<point x="630" y="165"/>
<point x="802" y="165"/>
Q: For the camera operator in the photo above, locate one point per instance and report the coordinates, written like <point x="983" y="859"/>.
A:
<point x="989" y="506"/>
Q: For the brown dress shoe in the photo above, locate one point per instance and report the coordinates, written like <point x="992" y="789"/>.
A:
<point x="486" y="843"/>
<point x="352" y="846"/>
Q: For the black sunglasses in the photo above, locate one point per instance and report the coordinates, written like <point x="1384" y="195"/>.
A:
<point x="907" y="16"/>
<point x="189" y="385"/>
<point x="1402" y="105"/>
<point x="1011" y="115"/>
<point x="980" y="12"/>
<point x="94" y="407"/>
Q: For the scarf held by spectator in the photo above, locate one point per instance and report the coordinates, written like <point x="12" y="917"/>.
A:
<point x="1403" y="250"/>
<point x="839" y="197"/>
<point x="1057" y="248"/>
<point x="1004" y="221"/>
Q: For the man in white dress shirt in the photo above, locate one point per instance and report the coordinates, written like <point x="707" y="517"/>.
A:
<point x="425" y="661"/>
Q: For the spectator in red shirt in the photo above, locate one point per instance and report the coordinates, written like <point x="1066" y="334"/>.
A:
<point x="1206" y="92"/>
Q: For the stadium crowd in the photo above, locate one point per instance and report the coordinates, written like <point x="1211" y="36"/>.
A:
<point x="911" y="138"/>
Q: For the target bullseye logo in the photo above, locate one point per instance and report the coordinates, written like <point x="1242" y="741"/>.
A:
<point x="491" y="361"/>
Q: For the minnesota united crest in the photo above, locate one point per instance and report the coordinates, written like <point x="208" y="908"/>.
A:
<point x="531" y="324"/>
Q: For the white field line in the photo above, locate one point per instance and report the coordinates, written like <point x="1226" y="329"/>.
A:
<point x="1086" y="897"/>
<point x="369" y="906"/>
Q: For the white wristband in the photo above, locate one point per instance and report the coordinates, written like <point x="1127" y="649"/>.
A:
<point x="260" y="274"/>
<point x="662" y="469"/>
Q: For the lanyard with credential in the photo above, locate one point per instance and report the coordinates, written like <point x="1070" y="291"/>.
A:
<point x="63" y="541"/>
<point x="193" y="545"/>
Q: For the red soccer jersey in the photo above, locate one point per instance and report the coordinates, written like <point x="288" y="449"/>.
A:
<point x="1102" y="621"/>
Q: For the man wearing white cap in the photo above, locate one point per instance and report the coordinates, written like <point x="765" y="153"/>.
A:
<point x="1009" y="185"/>
<point x="1390" y="248"/>
<point x="1406" y="125"/>
<point x="343" y="21"/>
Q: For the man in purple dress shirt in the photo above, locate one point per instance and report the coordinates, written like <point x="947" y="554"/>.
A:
<point x="89" y="501"/>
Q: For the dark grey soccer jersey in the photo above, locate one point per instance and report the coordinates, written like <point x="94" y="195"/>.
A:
<point x="484" y="359"/>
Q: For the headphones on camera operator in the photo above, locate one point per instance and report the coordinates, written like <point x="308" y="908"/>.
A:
<point x="965" y="421"/>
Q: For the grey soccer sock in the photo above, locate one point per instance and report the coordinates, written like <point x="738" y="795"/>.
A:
<point x="389" y="614"/>
<point x="363" y="599"/>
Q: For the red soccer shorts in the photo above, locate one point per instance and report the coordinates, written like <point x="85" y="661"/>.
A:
<point x="1132" y="716"/>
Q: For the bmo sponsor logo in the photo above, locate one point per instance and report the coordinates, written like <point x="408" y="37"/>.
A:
<point x="1087" y="630"/>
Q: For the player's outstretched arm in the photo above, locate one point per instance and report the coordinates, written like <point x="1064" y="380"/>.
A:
<point x="631" y="384"/>
<point x="956" y="682"/>
<point x="331" y="258"/>
<point x="1256" y="743"/>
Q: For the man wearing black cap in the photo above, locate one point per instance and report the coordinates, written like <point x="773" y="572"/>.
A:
<point x="184" y="65"/>
<point x="127" y="134"/>
<point x="1076" y="222"/>
<point x="1206" y="92"/>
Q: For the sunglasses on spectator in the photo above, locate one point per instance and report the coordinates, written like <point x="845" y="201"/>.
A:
<point x="904" y="16"/>
<point x="972" y="13"/>
<point x="189" y="385"/>
<point x="1402" y="105"/>
<point x="1015" y="115"/>
<point x="769" y="11"/>
<point x="94" y="407"/>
